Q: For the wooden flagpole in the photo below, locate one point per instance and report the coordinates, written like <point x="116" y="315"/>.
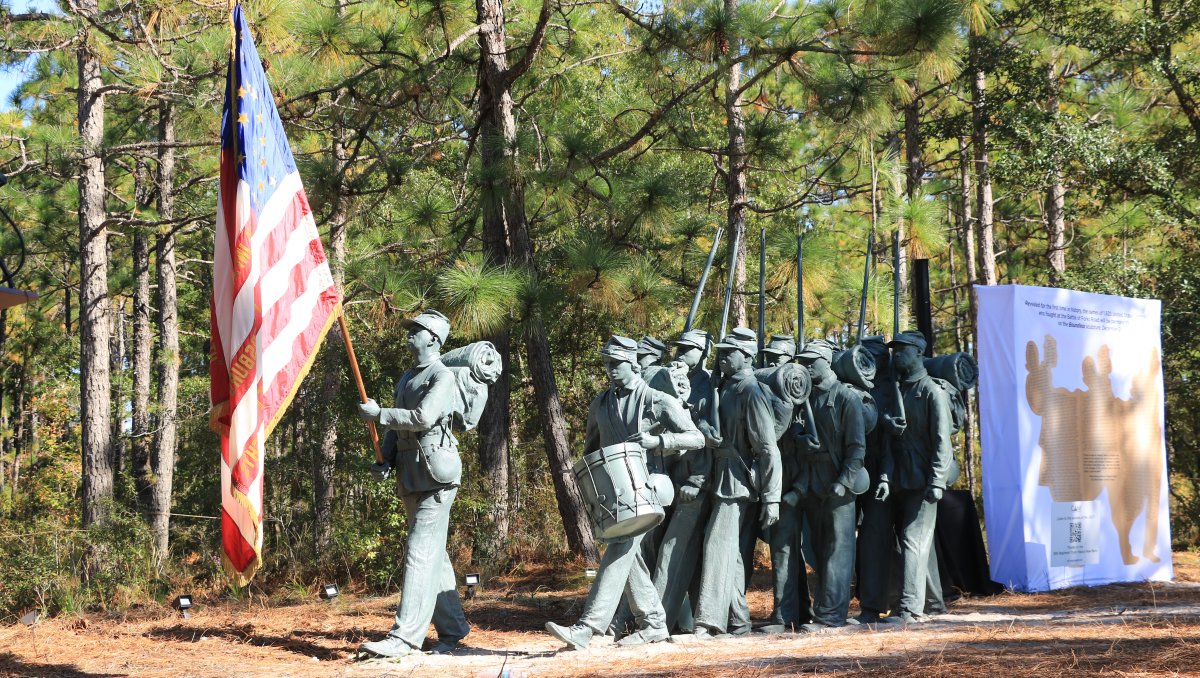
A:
<point x="362" y="390"/>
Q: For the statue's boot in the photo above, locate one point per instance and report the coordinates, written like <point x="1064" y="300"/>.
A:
<point x="643" y="636"/>
<point x="390" y="647"/>
<point x="576" y="637"/>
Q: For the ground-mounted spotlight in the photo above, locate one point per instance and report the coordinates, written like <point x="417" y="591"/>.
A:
<point x="471" y="580"/>
<point x="328" y="592"/>
<point x="30" y="618"/>
<point x="183" y="603"/>
<point x="590" y="573"/>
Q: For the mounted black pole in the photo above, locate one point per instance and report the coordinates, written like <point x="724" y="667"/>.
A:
<point x="712" y="253"/>
<point x="800" y="289"/>
<point x="896" y="328"/>
<point x="715" y="400"/>
<point x="923" y="303"/>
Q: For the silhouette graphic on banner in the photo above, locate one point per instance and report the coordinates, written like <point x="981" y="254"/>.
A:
<point x="1092" y="440"/>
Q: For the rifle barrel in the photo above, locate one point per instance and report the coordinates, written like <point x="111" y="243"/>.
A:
<point x="712" y="253"/>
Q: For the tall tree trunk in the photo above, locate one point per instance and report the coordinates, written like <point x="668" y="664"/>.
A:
<point x="506" y="238"/>
<point x="914" y="170"/>
<point x="1056" y="251"/>
<point x="94" y="378"/>
<point x="116" y="370"/>
<point x="20" y="432"/>
<point x="139" y="449"/>
<point x="735" y="181"/>
<point x="913" y="174"/>
<point x="968" y="235"/>
<point x="142" y="350"/>
<point x="163" y="461"/>
<point x="325" y="461"/>
<point x="498" y="133"/>
<point x="986" y="228"/>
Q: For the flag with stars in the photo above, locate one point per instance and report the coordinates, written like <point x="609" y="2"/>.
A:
<point x="273" y="296"/>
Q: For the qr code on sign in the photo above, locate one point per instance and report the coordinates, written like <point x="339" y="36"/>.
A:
<point x="1076" y="533"/>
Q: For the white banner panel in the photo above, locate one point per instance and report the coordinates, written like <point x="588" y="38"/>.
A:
<point x="1071" y="426"/>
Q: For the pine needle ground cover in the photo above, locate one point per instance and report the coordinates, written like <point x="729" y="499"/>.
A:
<point x="1129" y="629"/>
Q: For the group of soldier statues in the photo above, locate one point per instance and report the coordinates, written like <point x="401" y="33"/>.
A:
<point x="780" y="444"/>
<point x="734" y="455"/>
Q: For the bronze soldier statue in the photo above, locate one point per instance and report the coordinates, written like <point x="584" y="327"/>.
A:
<point x="628" y="411"/>
<point x="919" y="466"/>
<point x="419" y="443"/>
<point x="745" y="467"/>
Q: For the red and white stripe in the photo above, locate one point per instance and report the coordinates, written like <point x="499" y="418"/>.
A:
<point x="271" y="307"/>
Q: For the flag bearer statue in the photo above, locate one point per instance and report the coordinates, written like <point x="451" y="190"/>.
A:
<point x="419" y="444"/>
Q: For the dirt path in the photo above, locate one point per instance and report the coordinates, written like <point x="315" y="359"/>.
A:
<point x="1133" y="629"/>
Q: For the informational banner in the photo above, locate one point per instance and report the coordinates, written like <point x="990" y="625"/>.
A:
<point x="1072" y="431"/>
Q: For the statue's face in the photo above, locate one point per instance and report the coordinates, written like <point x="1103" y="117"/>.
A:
<point x="690" y="355"/>
<point x="620" y="372"/>
<point x="777" y="359"/>
<point x="420" y="338"/>
<point x="906" y="358"/>
<point x="819" y="370"/>
<point x="646" y="360"/>
<point x="732" y="360"/>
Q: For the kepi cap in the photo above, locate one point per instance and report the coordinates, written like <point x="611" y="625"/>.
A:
<point x="435" y="322"/>
<point x="875" y="344"/>
<point x="651" y="346"/>
<point x="814" y="350"/>
<point x="782" y="344"/>
<point x="742" y="339"/>
<point x="620" y="348"/>
<point x="909" y="339"/>
<point x="693" y="339"/>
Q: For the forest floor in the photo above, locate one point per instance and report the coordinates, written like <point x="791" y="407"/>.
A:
<point x="1128" y="629"/>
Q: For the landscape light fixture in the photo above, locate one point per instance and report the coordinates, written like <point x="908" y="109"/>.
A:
<point x="183" y="603"/>
<point x="472" y="580"/>
<point x="328" y="592"/>
<point x="30" y="618"/>
<point x="590" y="573"/>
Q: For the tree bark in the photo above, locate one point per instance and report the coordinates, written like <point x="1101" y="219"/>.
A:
<point x="95" y="381"/>
<point x="139" y="449"/>
<point x="497" y="136"/>
<point x="163" y="461"/>
<point x="1056" y="251"/>
<point x="116" y="368"/>
<point x="736" y="191"/>
<point x="967" y="231"/>
<point x="913" y="175"/>
<point x="986" y="229"/>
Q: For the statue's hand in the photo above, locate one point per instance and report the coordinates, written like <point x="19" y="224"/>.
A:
<point x="769" y="515"/>
<point x="933" y="495"/>
<point x="882" y="491"/>
<point x="711" y="439"/>
<point x="688" y="493"/>
<point x="380" y="472"/>
<point x="369" y="410"/>
<point x="895" y="425"/>
<point x="791" y="498"/>
<point x="648" y="441"/>
<point x="837" y="489"/>
<point x="812" y="444"/>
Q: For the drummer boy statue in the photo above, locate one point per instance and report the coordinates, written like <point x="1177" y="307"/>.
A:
<point x="628" y="411"/>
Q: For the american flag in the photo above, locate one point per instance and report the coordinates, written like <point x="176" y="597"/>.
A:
<point x="273" y="296"/>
